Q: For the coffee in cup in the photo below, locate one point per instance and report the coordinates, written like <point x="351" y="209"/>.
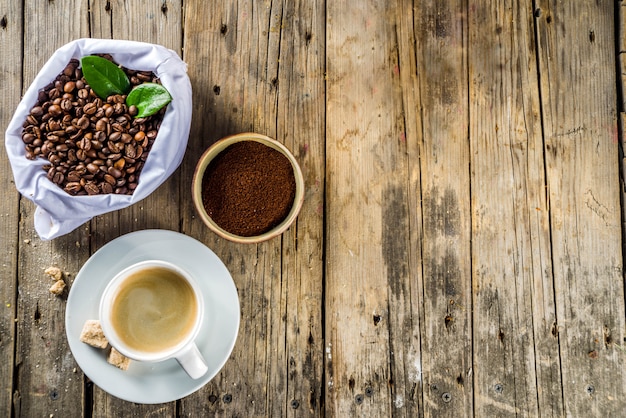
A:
<point x="152" y="311"/>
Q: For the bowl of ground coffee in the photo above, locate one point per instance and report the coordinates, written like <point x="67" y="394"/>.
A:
<point x="248" y="188"/>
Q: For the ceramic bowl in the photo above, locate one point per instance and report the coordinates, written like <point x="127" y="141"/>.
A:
<point x="214" y="151"/>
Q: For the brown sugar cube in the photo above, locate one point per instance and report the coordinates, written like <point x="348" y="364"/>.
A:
<point x="118" y="359"/>
<point x="55" y="273"/>
<point x="57" y="288"/>
<point x="92" y="334"/>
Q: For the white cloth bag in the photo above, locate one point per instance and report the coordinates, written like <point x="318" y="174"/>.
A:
<point x="57" y="212"/>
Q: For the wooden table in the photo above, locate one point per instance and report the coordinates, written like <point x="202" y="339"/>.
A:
<point x="460" y="248"/>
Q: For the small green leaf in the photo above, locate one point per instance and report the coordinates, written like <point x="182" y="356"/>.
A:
<point x="104" y="77"/>
<point x="149" y="98"/>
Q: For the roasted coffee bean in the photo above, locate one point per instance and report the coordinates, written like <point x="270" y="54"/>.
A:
<point x="116" y="147"/>
<point x="116" y="127"/>
<point x="82" y="122"/>
<point x="92" y="188"/>
<point x="102" y="124"/>
<point x="126" y="138"/>
<point x="28" y="138"/>
<point x="144" y="76"/>
<point x="119" y="108"/>
<point x="69" y="68"/>
<point x="66" y="105"/>
<point x="92" y="168"/>
<point x="31" y="120"/>
<point x="55" y="110"/>
<point x="83" y="94"/>
<point x="119" y="164"/>
<point x="58" y="178"/>
<point x="84" y="144"/>
<point x="106" y="188"/>
<point x="90" y="108"/>
<point x="100" y="136"/>
<point x="130" y="151"/>
<point x="54" y="125"/>
<point x="53" y="94"/>
<point x="50" y="173"/>
<point x="69" y="86"/>
<point x="73" y="176"/>
<point x="115" y="172"/>
<point x="73" y="187"/>
<point x="109" y="179"/>
<point x="115" y="136"/>
<point x="96" y="145"/>
<point x="139" y="136"/>
<point x="71" y="157"/>
<point x="70" y="130"/>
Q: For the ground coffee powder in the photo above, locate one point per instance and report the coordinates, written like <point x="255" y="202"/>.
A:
<point x="248" y="188"/>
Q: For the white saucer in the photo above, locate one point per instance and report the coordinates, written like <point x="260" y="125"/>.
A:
<point x="165" y="381"/>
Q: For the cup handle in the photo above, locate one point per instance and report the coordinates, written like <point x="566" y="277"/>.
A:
<point x="192" y="361"/>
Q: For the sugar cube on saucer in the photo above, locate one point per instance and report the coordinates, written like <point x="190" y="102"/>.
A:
<point x="92" y="334"/>
<point x="118" y="359"/>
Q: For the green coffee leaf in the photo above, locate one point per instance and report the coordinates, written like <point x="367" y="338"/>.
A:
<point x="149" y="98"/>
<point x="104" y="77"/>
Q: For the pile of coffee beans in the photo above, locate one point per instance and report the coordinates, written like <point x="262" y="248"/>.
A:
<point x="93" y="146"/>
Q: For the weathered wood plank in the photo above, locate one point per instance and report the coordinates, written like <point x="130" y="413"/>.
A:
<point x="47" y="381"/>
<point x="445" y="181"/>
<point x="578" y="96"/>
<point x="516" y="362"/>
<point x="11" y="37"/>
<point x="367" y="229"/>
<point x="236" y="69"/>
<point x="159" y="23"/>
<point x="621" y="51"/>
<point x="406" y="315"/>
<point x="301" y="126"/>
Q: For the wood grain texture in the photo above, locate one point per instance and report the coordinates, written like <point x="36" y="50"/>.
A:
<point x="579" y="101"/>
<point x="367" y="231"/>
<point x="47" y="379"/>
<point x="301" y="127"/>
<point x="517" y="367"/>
<point x="442" y="47"/>
<point x="406" y="315"/>
<point x="11" y="32"/>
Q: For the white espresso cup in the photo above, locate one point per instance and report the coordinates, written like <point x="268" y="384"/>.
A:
<point x="152" y="311"/>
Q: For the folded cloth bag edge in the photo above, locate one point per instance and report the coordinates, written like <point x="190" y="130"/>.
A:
<point x="59" y="213"/>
